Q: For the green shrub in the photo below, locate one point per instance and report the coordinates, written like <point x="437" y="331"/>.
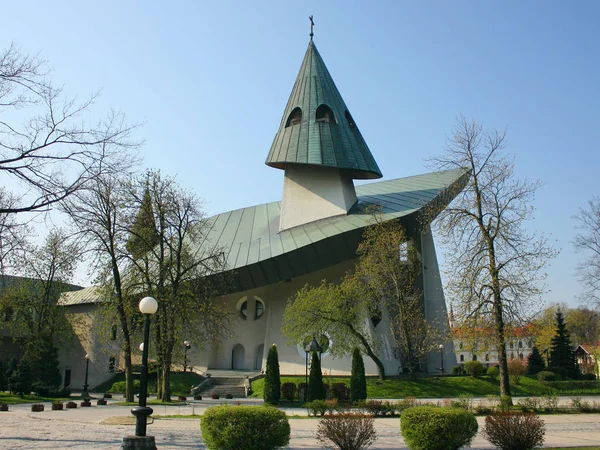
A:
<point x="358" y="382"/>
<point x="474" y="368"/>
<point x="505" y="402"/>
<point x="120" y="386"/>
<point x="464" y="401"/>
<point x="587" y="377"/>
<point x="244" y="427"/>
<point x="272" y="392"/>
<point x="544" y="376"/>
<point x="431" y="428"/>
<point x="528" y="404"/>
<point x="347" y="431"/>
<point x="408" y="402"/>
<point x="514" y="431"/>
<point x="288" y="391"/>
<point x="457" y="370"/>
<point x="316" y="407"/>
<point x="494" y="373"/>
<point x="549" y="403"/>
<point x="573" y="385"/>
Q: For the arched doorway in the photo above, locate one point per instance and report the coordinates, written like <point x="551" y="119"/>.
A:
<point x="258" y="358"/>
<point x="238" y="354"/>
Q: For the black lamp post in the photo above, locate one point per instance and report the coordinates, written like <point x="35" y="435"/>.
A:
<point x="442" y="358"/>
<point x="313" y="346"/>
<point x="85" y="396"/>
<point x="148" y="306"/>
<point x="186" y="346"/>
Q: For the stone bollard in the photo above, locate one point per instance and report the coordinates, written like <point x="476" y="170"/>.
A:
<point x="138" y="443"/>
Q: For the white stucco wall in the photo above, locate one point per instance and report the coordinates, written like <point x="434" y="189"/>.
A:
<point x="311" y="193"/>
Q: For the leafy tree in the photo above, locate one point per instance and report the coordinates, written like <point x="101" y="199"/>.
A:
<point x="54" y="151"/>
<point x="358" y="381"/>
<point x="42" y="357"/>
<point x="496" y="265"/>
<point x="13" y="364"/>
<point x="272" y="392"/>
<point x="588" y="242"/>
<point x="316" y="389"/>
<point x="20" y="381"/>
<point x="3" y="380"/>
<point x="583" y="325"/>
<point x="535" y="362"/>
<point x="562" y="356"/>
<point x="385" y="278"/>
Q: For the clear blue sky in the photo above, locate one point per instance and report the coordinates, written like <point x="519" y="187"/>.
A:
<point x="211" y="80"/>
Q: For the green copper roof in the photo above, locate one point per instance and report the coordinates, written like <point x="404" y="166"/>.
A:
<point x="317" y="128"/>
<point x="260" y="255"/>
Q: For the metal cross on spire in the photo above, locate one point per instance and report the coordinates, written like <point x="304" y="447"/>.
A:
<point x="312" y="24"/>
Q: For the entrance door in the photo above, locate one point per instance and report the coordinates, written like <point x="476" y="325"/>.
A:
<point x="67" y="378"/>
<point x="238" y="354"/>
<point x="258" y="357"/>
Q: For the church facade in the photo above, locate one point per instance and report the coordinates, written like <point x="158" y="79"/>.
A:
<point x="312" y="234"/>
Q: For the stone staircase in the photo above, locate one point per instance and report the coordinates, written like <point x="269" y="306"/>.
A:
<point x="227" y="382"/>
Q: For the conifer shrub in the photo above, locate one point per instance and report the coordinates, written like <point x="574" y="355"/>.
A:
<point x="347" y="431"/>
<point x="244" y="427"/>
<point x="474" y="368"/>
<point x="514" y="430"/>
<point x="272" y="393"/>
<point x="358" y="381"/>
<point x="535" y="362"/>
<point x="316" y="389"/>
<point x="433" y="428"/>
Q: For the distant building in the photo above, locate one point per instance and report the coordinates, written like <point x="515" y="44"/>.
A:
<point x="476" y="345"/>
<point x="587" y="358"/>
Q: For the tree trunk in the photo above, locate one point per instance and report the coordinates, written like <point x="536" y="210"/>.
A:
<point x="166" y="384"/>
<point x="501" y="346"/>
<point x="128" y="374"/>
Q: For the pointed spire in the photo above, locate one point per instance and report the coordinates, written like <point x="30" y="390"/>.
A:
<point x="317" y="128"/>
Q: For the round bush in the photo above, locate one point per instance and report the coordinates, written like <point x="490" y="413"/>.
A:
<point x="431" y="428"/>
<point x="474" y="368"/>
<point x="249" y="427"/>
<point x="493" y="372"/>
<point x="545" y="376"/>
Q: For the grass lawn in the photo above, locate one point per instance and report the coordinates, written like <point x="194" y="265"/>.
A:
<point x="13" y="399"/>
<point x="437" y="387"/>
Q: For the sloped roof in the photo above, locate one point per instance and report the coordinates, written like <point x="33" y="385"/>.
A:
<point x="337" y="144"/>
<point x="83" y="297"/>
<point x="260" y="254"/>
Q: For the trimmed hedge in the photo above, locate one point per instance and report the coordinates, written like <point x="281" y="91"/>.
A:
<point x="244" y="427"/>
<point x="432" y="428"/>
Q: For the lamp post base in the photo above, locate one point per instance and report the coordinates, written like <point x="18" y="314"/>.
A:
<point x="141" y="414"/>
<point x="138" y="443"/>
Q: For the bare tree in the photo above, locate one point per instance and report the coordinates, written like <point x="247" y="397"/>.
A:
<point x="98" y="213"/>
<point x="49" y="148"/>
<point x="13" y="235"/>
<point x="588" y="241"/>
<point x="495" y="266"/>
<point x="168" y="261"/>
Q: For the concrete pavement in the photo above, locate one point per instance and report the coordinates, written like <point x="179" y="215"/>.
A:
<point x="88" y="428"/>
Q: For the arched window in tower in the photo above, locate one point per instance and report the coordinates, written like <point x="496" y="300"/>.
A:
<point x="294" y="118"/>
<point x="350" y="120"/>
<point x="325" y="114"/>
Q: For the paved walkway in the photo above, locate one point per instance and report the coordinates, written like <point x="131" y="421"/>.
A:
<point x="84" y="428"/>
